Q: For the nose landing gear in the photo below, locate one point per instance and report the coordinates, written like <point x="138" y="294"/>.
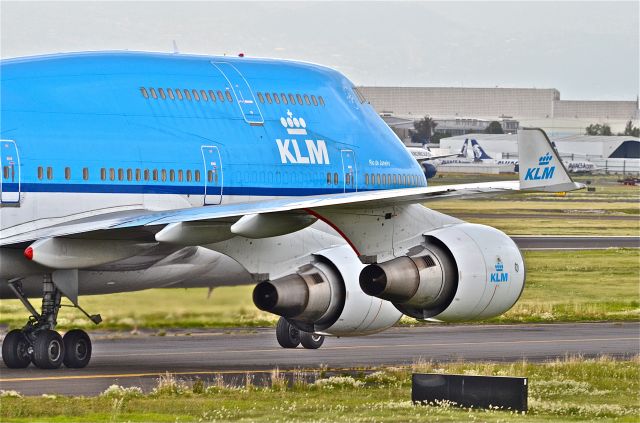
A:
<point x="38" y="342"/>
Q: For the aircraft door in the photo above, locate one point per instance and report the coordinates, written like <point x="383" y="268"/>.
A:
<point x="10" y="178"/>
<point x="242" y="92"/>
<point x="213" y="177"/>
<point x="349" y="171"/>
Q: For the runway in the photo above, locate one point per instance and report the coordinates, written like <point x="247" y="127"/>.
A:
<point x="139" y="360"/>
<point x="563" y="242"/>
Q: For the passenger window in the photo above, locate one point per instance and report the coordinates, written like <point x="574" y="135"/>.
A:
<point x="138" y="174"/>
<point x="112" y="174"/>
<point x="195" y="95"/>
<point x="187" y="94"/>
<point x="146" y="174"/>
<point x="229" y="96"/>
<point x="172" y="175"/>
<point x="321" y="100"/>
<point x="129" y="174"/>
<point x="178" y="93"/>
<point x="306" y="100"/>
<point x="203" y="95"/>
<point x="347" y="178"/>
<point x="269" y="98"/>
<point x="170" y="93"/>
<point x="314" y="100"/>
<point x="155" y="173"/>
<point x="395" y="179"/>
<point x="120" y="174"/>
<point x="40" y="172"/>
<point x="276" y="98"/>
<point x="210" y="176"/>
<point x="153" y="93"/>
<point x="188" y="175"/>
<point x="366" y="179"/>
<point x="212" y="95"/>
<point x="379" y="182"/>
<point x="335" y="179"/>
<point x="180" y="175"/>
<point x="49" y="172"/>
<point x="284" y="98"/>
<point x="67" y="173"/>
<point x="299" y="97"/>
<point x="144" y="92"/>
<point x="220" y="96"/>
<point x="328" y="178"/>
<point x="162" y="94"/>
<point x="5" y="172"/>
<point x="261" y="98"/>
<point x="292" y="99"/>
<point x="103" y="174"/>
<point x="197" y="175"/>
<point x="163" y="174"/>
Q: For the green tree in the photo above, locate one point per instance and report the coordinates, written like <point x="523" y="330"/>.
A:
<point x="423" y="130"/>
<point x="631" y="130"/>
<point x="494" y="128"/>
<point x="597" y="129"/>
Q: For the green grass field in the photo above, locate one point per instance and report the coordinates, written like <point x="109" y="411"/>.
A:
<point x="566" y="390"/>
<point x="561" y="286"/>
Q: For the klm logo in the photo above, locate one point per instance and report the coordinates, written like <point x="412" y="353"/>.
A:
<point x="309" y="152"/>
<point x="499" y="275"/>
<point x="543" y="171"/>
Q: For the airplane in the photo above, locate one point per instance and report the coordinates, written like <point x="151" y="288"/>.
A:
<point x="424" y="156"/>
<point x="124" y="171"/>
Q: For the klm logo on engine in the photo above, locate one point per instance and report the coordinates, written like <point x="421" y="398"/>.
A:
<point x="305" y="152"/>
<point x="543" y="171"/>
<point x="499" y="275"/>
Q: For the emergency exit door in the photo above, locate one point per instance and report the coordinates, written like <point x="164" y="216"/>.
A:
<point x="213" y="177"/>
<point x="349" y="171"/>
<point x="10" y="168"/>
<point x="242" y="92"/>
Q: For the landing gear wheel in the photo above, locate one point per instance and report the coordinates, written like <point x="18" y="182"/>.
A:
<point x="15" y="350"/>
<point x="311" y="341"/>
<point x="48" y="350"/>
<point x="288" y="336"/>
<point x="77" y="349"/>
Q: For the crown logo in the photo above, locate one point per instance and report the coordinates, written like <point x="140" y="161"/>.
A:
<point x="294" y="125"/>
<point x="544" y="160"/>
<point x="499" y="266"/>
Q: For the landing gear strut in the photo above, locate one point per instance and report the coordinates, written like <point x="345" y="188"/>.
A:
<point x="38" y="342"/>
<point x="289" y="336"/>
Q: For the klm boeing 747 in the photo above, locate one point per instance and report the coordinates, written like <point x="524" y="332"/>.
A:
<point x="125" y="171"/>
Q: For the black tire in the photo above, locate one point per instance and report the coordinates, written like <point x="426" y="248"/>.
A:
<point x="311" y="341"/>
<point x="77" y="349"/>
<point x="15" y="350"/>
<point x="288" y="336"/>
<point x="48" y="350"/>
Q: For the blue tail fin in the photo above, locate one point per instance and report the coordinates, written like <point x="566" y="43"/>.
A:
<point x="478" y="152"/>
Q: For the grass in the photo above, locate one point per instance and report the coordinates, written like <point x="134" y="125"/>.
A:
<point x="561" y="286"/>
<point x="572" y="389"/>
<point x="563" y="214"/>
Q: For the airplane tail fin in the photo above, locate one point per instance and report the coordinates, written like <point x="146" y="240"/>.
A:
<point x="478" y="152"/>
<point x="463" y="150"/>
<point x="540" y="167"/>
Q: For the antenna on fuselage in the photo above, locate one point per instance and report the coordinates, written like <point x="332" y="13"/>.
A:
<point x="175" y="47"/>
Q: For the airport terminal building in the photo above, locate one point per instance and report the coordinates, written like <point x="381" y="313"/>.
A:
<point x="477" y="106"/>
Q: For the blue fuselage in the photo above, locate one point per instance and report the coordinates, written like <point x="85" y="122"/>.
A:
<point x="215" y="127"/>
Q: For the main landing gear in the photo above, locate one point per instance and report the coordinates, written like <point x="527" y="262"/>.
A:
<point x="37" y="342"/>
<point x="289" y="336"/>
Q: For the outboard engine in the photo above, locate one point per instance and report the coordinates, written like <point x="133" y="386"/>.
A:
<point x="429" y="170"/>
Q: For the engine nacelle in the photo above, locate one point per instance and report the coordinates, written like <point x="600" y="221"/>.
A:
<point x="461" y="272"/>
<point x="429" y="170"/>
<point x="325" y="297"/>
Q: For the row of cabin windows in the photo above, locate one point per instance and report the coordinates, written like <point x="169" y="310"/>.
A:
<point x="186" y="94"/>
<point x="392" y="179"/>
<point x="137" y="174"/>
<point x="283" y="98"/>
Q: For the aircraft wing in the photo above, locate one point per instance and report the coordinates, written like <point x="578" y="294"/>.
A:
<point x="442" y="156"/>
<point x="543" y="171"/>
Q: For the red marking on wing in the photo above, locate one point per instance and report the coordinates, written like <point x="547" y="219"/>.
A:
<point x="337" y="229"/>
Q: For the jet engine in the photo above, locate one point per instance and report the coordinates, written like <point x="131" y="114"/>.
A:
<point x="429" y="170"/>
<point x="460" y="272"/>
<point x="324" y="297"/>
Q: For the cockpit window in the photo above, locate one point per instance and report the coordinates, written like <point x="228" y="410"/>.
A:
<point x="359" y="94"/>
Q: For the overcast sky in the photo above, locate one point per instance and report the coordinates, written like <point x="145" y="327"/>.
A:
<point x="587" y="50"/>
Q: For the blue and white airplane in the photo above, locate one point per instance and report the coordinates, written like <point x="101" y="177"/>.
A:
<point x="124" y="171"/>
